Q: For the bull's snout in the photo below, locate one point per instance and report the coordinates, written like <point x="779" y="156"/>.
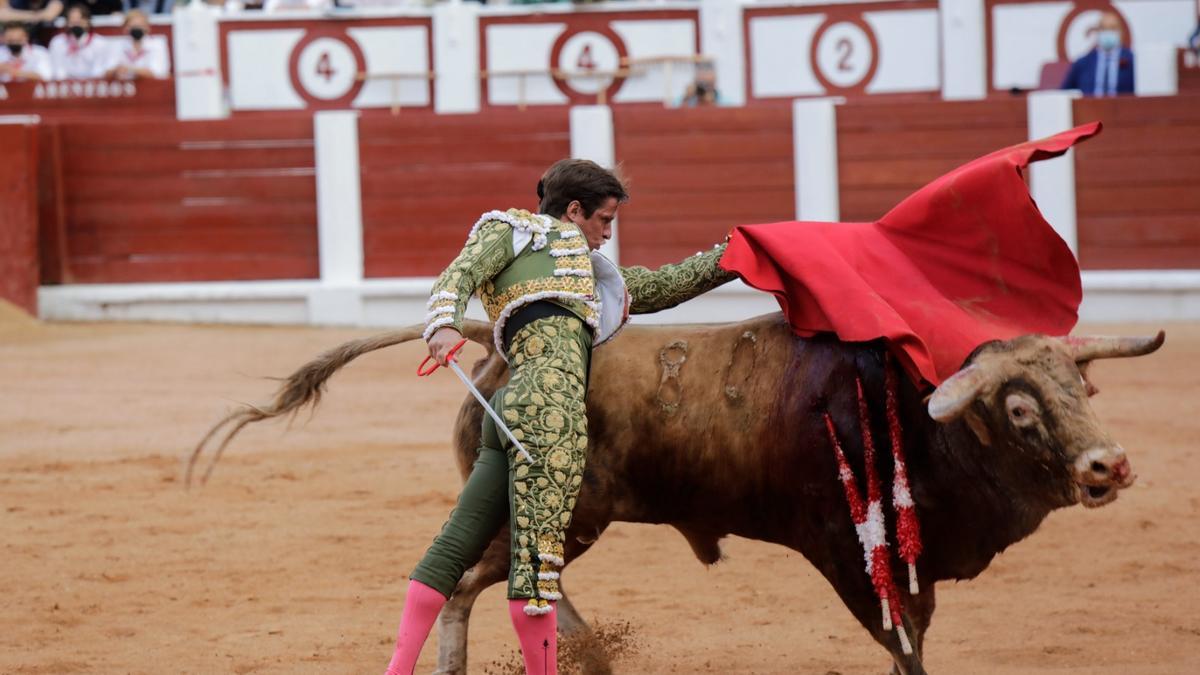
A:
<point x="1100" y="472"/>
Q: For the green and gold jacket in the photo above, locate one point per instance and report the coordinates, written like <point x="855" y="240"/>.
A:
<point x="514" y="257"/>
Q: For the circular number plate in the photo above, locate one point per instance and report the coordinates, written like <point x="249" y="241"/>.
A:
<point x="325" y="69"/>
<point x="844" y="55"/>
<point x="598" y="50"/>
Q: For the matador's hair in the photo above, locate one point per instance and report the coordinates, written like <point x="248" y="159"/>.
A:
<point x="581" y="180"/>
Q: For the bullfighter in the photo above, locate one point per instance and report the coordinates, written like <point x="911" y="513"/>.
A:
<point x="552" y="297"/>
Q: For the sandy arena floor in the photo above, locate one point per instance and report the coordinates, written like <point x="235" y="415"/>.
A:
<point x="293" y="559"/>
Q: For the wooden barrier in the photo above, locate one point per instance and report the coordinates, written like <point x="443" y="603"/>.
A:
<point x="145" y="200"/>
<point x="695" y="173"/>
<point x="886" y="151"/>
<point x="140" y="200"/>
<point x="18" y="218"/>
<point x="1136" y="184"/>
<point x="89" y="98"/>
<point x="426" y="177"/>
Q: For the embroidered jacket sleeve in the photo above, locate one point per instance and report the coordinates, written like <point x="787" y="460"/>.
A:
<point x="669" y="285"/>
<point x="488" y="251"/>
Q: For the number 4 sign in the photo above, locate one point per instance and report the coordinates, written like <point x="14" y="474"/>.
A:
<point x="327" y="69"/>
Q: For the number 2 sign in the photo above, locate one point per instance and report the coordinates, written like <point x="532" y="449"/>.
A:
<point x="844" y="55"/>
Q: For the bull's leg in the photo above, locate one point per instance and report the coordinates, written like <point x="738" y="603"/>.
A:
<point x="859" y="597"/>
<point x="918" y="611"/>
<point x="455" y="616"/>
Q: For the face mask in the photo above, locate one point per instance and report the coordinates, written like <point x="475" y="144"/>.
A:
<point x="78" y="32"/>
<point x="15" y="48"/>
<point x="137" y="33"/>
<point x="1108" y="39"/>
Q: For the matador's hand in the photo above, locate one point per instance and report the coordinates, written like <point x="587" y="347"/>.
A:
<point x="441" y="342"/>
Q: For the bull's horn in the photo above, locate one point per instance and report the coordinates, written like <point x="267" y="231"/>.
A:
<point x="1089" y="348"/>
<point x="953" y="396"/>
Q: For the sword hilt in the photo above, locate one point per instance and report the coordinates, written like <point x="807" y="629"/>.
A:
<point x="421" y="372"/>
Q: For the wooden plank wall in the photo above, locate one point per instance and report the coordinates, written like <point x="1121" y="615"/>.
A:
<point x="154" y="201"/>
<point x="426" y="179"/>
<point x="18" y="218"/>
<point x="886" y="151"/>
<point x="694" y="174"/>
<point x="1137" y="185"/>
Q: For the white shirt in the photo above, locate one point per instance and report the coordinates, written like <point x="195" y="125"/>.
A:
<point x="78" y="60"/>
<point x="152" y="55"/>
<point x="34" y="58"/>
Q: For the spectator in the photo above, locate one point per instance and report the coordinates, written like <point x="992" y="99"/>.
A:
<point x="34" y="13"/>
<point x="21" y="61"/>
<point x="78" y="53"/>
<point x="1107" y="70"/>
<point x="702" y="91"/>
<point x="140" y="55"/>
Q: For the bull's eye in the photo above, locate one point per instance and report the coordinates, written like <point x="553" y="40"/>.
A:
<point x="1022" y="409"/>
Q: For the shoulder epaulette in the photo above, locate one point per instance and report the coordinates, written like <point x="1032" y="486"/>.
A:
<point x="518" y="219"/>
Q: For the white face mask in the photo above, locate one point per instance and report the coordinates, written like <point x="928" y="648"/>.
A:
<point x="1108" y="39"/>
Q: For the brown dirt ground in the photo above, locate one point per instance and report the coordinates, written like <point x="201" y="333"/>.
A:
<point x="293" y="559"/>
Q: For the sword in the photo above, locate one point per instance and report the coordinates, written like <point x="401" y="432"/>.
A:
<point x="450" y="361"/>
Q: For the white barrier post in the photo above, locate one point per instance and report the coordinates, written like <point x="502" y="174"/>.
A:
<point x="338" y="300"/>
<point x="964" y="44"/>
<point x="456" y="58"/>
<point x="1052" y="182"/>
<point x="199" y="91"/>
<point x="814" y="147"/>
<point x="592" y="138"/>
<point x="721" y="39"/>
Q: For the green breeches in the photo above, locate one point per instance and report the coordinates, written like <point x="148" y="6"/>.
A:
<point x="543" y="405"/>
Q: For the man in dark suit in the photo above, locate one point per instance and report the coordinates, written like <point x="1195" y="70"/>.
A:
<point x="1107" y="70"/>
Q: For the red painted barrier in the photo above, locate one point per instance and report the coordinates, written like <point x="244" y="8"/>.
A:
<point x="426" y="178"/>
<point x="695" y="173"/>
<point x="1136" y="184"/>
<point x="89" y="98"/>
<point x="157" y="201"/>
<point x="886" y="151"/>
<point x="18" y="218"/>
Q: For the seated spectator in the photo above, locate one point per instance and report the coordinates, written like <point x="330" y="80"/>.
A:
<point x="33" y="13"/>
<point x="139" y="55"/>
<point x="1107" y="70"/>
<point x="78" y="53"/>
<point x="21" y="61"/>
<point x="702" y="91"/>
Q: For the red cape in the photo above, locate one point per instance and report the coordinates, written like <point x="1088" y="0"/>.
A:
<point x="966" y="259"/>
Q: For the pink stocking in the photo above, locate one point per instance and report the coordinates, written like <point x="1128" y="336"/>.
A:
<point x="538" y="636"/>
<point x="421" y="607"/>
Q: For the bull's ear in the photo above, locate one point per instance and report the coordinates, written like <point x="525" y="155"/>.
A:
<point x="956" y="393"/>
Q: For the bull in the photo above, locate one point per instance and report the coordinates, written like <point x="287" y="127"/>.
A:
<point x="720" y="429"/>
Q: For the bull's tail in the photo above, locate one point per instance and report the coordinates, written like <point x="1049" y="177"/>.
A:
<point x="305" y="387"/>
